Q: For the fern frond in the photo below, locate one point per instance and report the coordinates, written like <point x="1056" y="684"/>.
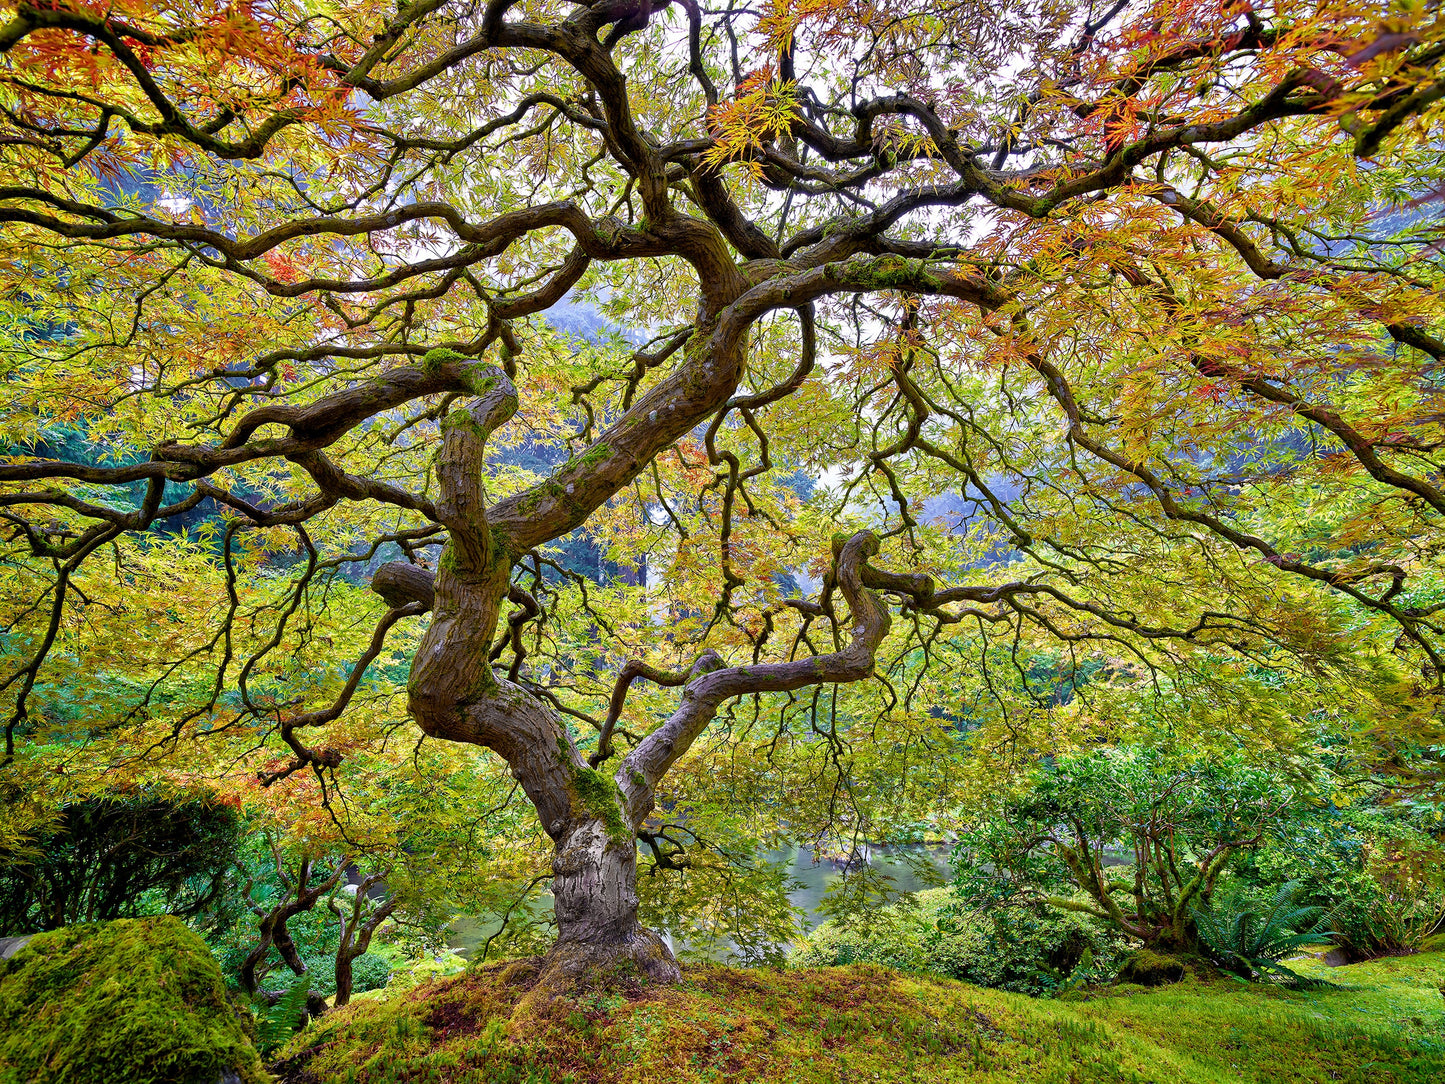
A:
<point x="1250" y="943"/>
<point x="277" y="1023"/>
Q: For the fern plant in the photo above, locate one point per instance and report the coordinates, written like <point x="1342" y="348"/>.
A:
<point x="1250" y="943"/>
<point x="276" y="1023"/>
<point x="1058" y="984"/>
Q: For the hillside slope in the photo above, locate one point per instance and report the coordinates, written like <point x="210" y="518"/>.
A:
<point x="1383" y="1025"/>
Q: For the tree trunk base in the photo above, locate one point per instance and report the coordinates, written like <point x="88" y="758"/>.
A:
<point x="573" y="967"/>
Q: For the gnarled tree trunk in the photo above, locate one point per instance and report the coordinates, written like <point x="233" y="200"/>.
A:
<point x="455" y="695"/>
<point x="594" y="884"/>
<point x="591" y="816"/>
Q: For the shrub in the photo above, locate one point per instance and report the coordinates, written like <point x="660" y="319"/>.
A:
<point x="1015" y="948"/>
<point x="1041" y="951"/>
<point x="1393" y="920"/>
<point x="120" y="858"/>
<point x="910" y="935"/>
<point x="1135" y="836"/>
<point x="1403" y="900"/>
<point x="368" y="972"/>
<point x="1380" y="876"/>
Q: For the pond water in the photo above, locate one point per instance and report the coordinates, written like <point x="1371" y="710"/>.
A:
<point x="912" y="867"/>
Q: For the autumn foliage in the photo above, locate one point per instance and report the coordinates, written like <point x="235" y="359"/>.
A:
<point x="621" y="326"/>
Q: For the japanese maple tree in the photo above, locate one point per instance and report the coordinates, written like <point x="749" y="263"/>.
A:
<point x="1149" y="292"/>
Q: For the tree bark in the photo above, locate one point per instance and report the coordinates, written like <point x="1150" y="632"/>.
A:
<point x="594" y="885"/>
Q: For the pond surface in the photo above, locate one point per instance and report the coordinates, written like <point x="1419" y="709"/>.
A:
<point x="912" y="867"/>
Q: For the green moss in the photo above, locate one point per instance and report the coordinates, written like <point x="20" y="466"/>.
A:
<point x="448" y="558"/>
<point x="501" y="555"/>
<point x="865" y="1023"/>
<point x="1148" y="968"/>
<point x="597" y="454"/>
<point x="433" y="360"/>
<point x="594" y="456"/>
<point x="600" y="796"/>
<point x="596" y="794"/>
<point x="486" y="686"/>
<point x="483" y="378"/>
<point x="501" y="547"/>
<point x="459" y="418"/>
<point x="479" y="378"/>
<point x="135" y="1000"/>
<point x="895" y="271"/>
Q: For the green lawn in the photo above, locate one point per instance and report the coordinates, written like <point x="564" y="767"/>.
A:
<point x="1385" y="1024"/>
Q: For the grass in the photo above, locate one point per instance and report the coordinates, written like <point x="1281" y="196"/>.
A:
<point x="1382" y="1025"/>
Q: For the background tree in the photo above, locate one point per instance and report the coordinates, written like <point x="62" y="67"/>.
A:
<point x="119" y="857"/>
<point x="1137" y="839"/>
<point x="1114" y="285"/>
<point x="300" y="891"/>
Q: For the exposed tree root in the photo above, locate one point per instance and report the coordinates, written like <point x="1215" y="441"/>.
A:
<point x="573" y="968"/>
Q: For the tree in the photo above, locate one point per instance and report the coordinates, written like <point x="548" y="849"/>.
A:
<point x="1136" y="839"/>
<point x="357" y="927"/>
<point x="1116" y="279"/>
<point x="119" y="857"/>
<point x="300" y="892"/>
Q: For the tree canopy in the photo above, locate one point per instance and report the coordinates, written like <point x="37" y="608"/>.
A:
<point x="971" y="376"/>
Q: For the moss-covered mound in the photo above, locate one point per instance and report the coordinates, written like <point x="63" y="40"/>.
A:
<point x="1146" y="968"/>
<point x="867" y="1023"/>
<point x="138" y="1001"/>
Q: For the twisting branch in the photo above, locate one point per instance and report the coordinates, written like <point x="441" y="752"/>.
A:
<point x="326" y="757"/>
<point x="630" y="672"/>
<point x="300" y="895"/>
<point x="712" y="684"/>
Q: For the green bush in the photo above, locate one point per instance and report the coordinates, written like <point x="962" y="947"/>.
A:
<point x="1379" y="875"/>
<point x="1014" y="948"/>
<point x="907" y="936"/>
<point x="1039" y="952"/>
<point x="121" y="857"/>
<point x="1392" y="919"/>
<point x="368" y="972"/>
